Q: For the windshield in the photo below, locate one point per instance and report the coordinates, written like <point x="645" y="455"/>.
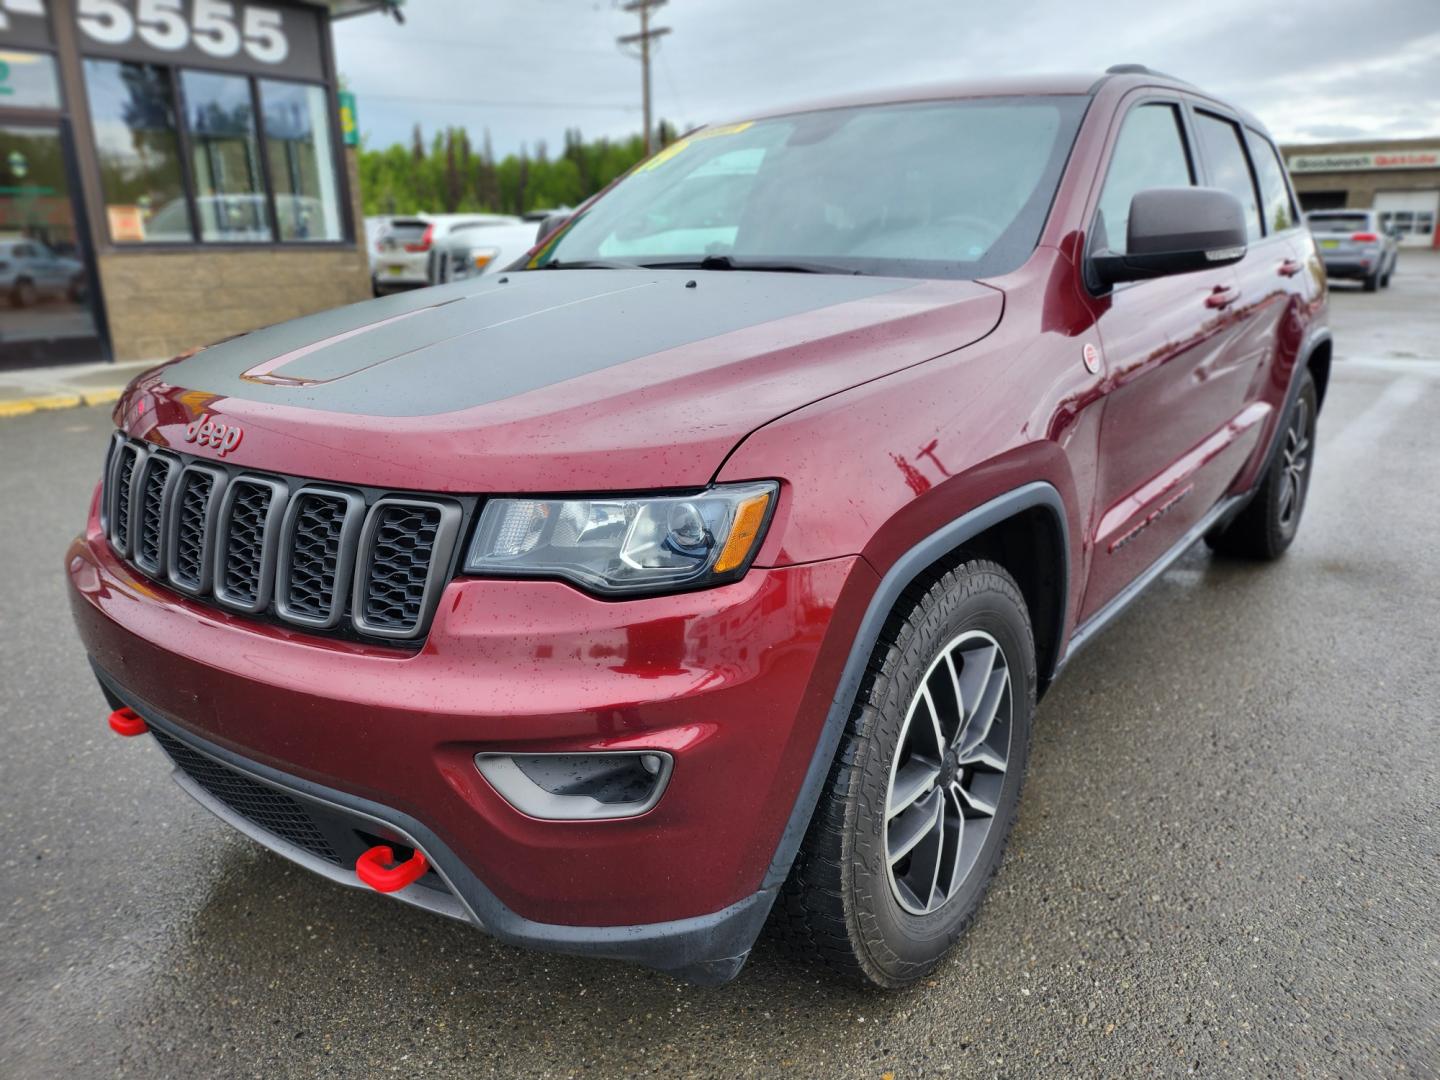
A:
<point x="932" y="189"/>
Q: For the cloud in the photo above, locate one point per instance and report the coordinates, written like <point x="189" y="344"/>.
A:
<point x="527" y="71"/>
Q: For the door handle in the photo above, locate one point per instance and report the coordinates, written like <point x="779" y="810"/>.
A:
<point x="1289" y="268"/>
<point x="1222" y="296"/>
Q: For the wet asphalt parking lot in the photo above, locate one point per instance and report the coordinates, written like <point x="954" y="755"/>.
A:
<point x="1227" y="860"/>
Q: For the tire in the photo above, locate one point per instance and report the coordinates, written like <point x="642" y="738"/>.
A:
<point x="23" y="294"/>
<point x="1372" y="282"/>
<point x="844" y="904"/>
<point x="1267" y="526"/>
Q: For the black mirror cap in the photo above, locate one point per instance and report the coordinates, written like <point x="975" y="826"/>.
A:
<point x="549" y="225"/>
<point x="1177" y="231"/>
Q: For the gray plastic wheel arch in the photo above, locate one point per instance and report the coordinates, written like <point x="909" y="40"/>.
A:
<point x="904" y="570"/>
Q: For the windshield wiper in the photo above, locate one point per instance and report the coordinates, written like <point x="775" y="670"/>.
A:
<point x="587" y="264"/>
<point x="774" y="266"/>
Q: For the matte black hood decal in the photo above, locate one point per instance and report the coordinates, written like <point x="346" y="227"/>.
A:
<point x="456" y="347"/>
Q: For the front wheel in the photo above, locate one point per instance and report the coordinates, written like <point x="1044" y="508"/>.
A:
<point x="923" y="792"/>
<point x="1267" y="526"/>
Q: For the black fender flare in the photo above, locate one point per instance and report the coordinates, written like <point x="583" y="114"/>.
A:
<point x="903" y="571"/>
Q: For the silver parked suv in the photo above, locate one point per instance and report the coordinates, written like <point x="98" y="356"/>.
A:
<point x="1353" y="244"/>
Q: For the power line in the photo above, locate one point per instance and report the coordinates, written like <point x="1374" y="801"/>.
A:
<point x="468" y="44"/>
<point x="647" y="34"/>
<point x="592" y="105"/>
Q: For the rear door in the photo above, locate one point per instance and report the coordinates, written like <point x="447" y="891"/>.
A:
<point x="1266" y="277"/>
<point x="1167" y="347"/>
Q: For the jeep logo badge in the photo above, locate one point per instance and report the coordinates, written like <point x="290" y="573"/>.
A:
<point x="212" y="433"/>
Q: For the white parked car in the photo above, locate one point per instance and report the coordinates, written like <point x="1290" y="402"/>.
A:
<point x="403" y="252"/>
<point x="30" y="271"/>
<point x="475" y="249"/>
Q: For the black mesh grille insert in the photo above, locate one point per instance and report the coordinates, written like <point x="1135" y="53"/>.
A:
<point x="128" y="456"/>
<point x="400" y="554"/>
<point x="190" y="514"/>
<point x="270" y="809"/>
<point x="315" y="554"/>
<point x="245" y="541"/>
<point x="282" y="547"/>
<point x="152" y="510"/>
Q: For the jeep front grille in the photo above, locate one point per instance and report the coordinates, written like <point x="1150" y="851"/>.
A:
<point x="310" y="554"/>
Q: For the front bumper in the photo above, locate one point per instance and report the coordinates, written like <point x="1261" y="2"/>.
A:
<point x="733" y="682"/>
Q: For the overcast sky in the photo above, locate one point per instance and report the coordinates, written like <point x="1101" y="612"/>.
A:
<point x="1313" y="70"/>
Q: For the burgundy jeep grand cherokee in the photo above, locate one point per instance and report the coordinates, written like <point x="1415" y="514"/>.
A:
<point x="708" y="567"/>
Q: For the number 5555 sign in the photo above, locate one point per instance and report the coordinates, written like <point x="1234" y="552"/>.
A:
<point x="206" y="33"/>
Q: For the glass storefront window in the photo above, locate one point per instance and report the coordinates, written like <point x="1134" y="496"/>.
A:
<point x="151" y="197"/>
<point x="134" y="120"/>
<point x="225" y="157"/>
<point x="28" y="80"/>
<point x="302" y="167"/>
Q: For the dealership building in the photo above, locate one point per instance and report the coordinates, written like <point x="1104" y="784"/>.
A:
<point x="172" y="172"/>
<point x="1399" y="178"/>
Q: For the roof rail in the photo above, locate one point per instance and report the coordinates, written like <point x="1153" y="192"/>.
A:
<point x="1140" y="69"/>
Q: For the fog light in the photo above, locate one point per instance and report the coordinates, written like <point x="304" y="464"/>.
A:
<point x="579" y="787"/>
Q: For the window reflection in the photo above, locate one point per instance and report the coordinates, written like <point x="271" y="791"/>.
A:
<point x="225" y="157"/>
<point x="134" y="120"/>
<point x="28" y="80"/>
<point x="302" y="169"/>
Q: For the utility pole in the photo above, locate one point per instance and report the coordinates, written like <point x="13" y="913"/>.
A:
<point x="647" y="34"/>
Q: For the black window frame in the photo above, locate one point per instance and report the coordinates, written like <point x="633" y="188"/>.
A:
<point x="345" y="241"/>
<point x="1214" y="111"/>
<point x="1297" y="217"/>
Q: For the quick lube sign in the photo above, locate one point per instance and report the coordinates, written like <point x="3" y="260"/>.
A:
<point x="1355" y="162"/>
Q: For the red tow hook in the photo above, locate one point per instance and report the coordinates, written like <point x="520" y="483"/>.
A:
<point x="371" y="869"/>
<point x="127" y="722"/>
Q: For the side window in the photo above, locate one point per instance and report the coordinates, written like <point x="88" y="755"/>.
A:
<point x="1149" y="153"/>
<point x="1279" y="212"/>
<point x="1229" y="171"/>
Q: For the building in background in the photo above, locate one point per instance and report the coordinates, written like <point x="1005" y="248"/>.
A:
<point x="1398" y="177"/>
<point x="172" y="172"/>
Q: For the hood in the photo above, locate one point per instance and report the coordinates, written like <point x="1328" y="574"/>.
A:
<point x="551" y="380"/>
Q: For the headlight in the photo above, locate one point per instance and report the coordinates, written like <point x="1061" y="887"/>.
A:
<point x="626" y="545"/>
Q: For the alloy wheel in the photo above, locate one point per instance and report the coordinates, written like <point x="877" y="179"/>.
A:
<point x="948" y="773"/>
<point x="1295" y="463"/>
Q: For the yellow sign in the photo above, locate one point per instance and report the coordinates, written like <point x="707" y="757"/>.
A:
<point x="680" y="144"/>
<point x="349" y="125"/>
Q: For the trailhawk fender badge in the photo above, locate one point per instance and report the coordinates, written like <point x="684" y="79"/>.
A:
<point x="1091" y="356"/>
<point x="212" y="433"/>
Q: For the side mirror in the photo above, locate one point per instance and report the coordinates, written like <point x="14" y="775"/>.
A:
<point x="549" y="224"/>
<point x="1176" y="231"/>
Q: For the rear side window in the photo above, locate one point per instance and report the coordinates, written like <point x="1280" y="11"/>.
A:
<point x="1149" y="153"/>
<point x="1278" y="211"/>
<point x="1225" y="157"/>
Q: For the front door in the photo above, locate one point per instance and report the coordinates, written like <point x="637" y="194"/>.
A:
<point x="1169" y="350"/>
<point x="47" y="310"/>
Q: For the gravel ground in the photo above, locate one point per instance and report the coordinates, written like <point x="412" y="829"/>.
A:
<point x="1227" y="861"/>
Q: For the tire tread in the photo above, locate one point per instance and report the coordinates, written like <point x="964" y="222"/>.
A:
<point x="811" y="918"/>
